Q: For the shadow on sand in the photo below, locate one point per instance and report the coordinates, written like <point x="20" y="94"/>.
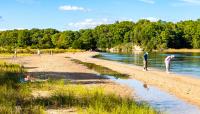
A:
<point x="76" y="78"/>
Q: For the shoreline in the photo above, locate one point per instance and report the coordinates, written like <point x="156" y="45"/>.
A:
<point x="152" y="68"/>
<point x="184" y="87"/>
<point x="182" y="50"/>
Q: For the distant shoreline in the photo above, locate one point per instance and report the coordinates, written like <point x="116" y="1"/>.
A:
<point x="182" y="50"/>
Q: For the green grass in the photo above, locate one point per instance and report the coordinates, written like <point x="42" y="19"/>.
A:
<point x="28" y="52"/>
<point x="88" y="100"/>
<point x="102" y="70"/>
<point x="13" y="55"/>
<point x="34" y="51"/>
<point x="16" y="97"/>
<point x="12" y="92"/>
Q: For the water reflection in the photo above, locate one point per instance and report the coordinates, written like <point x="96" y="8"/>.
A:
<point x="183" y="63"/>
<point x="158" y="99"/>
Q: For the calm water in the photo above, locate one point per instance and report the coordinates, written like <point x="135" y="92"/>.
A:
<point x="183" y="63"/>
<point x="157" y="98"/>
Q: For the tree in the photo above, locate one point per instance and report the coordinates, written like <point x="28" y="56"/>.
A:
<point x="24" y="39"/>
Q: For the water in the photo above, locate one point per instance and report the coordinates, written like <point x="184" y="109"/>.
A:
<point x="158" y="99"/>
<point x="183" y="63"/>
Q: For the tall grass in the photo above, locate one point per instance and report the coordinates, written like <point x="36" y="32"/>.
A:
<point x="12" y="92"/>
<point x="182" y="50"/>
<point x="34" y="51"/>
<point x="90" y="100"/>
<point x="13" y="55"/>
<point x="16" y="97"/>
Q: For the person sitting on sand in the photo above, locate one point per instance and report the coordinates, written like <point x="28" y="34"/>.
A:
<point x="168" y="62"/>
<point x="145" y="61"/>
<point x="27" y="78"/>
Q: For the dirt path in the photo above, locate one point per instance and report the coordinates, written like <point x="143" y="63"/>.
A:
<point x="186" y="88"/>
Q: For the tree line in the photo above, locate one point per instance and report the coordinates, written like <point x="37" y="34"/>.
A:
<point x="148" y="35"/>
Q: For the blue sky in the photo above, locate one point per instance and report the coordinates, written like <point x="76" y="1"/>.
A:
<point x="80" y="14"/>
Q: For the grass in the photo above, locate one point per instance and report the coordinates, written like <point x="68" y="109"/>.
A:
<point x="102" y="70"/>
<point x="17" y="98"/>
<point x="182" y="50"/>
<point x="13" y="55"/>
<point x="12" y="92"/>
<point x="34" y="51"/>
<point x="28" y="52"/>
<point x="89" y="100"/>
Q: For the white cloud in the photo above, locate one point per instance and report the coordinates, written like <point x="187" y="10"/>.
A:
<point x="148" y="1"/>
<point x="186" y="2"/>
<point x="88" y="23"/>
<point x="20" y="28"/>
<point x="152" y="19"/>
<point x="28" y="1"/>
<point x="4" y="29"/>
<point x="191" y="1"/>
<point x="72" y="8"/>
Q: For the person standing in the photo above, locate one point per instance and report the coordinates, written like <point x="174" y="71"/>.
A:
<point x="38" y="52"/>
<point x="145" y="61"/>
<point x="168" y="62"/>
<point x="15" y="53"/>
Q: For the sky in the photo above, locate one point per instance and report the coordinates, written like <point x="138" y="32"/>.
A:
<point x="81" y="14"/>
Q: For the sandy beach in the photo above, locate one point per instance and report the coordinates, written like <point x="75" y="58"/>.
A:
<point x="184" y="87"/>
<point x="59" y="66"/>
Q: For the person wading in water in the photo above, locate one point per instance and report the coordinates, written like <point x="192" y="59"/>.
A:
<point x="145" y="61"/>
<point x="168" y="62"/>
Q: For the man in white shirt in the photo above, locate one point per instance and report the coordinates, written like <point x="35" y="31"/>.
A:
<point x="167" y="62"/>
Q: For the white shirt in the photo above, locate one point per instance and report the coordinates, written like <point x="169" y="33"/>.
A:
<point x="168" y="59"/>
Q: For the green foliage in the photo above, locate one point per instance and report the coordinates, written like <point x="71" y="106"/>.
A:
<point x="28" y="51"/>
<point x="148" y="35"/>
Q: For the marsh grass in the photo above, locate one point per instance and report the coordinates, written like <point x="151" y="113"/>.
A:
<point x="7" y="51"/>
<point x="13" y="55"/>
<point x="10" y="68"/>
<point x="182" y="50"/>
<point x="89" y="100"/>
<point x="100" y="69"/>
<point x="17" y="98"/>
<point x="12" y="92"/>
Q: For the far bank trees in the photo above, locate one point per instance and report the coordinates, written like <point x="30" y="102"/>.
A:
<point x="148" y="35"/>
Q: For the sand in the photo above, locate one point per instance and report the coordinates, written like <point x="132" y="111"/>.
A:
<point x="59" y="67"/>
<point x="186" y="88"/>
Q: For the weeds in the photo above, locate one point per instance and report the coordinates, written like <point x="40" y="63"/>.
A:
<point x="91" y="100"/>
<point x="102" y="70"/>
<point x="8" y="52"/>
<point x="17" y="98"/>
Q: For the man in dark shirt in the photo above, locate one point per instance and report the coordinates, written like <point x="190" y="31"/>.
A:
<point x="145" y="61"/>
